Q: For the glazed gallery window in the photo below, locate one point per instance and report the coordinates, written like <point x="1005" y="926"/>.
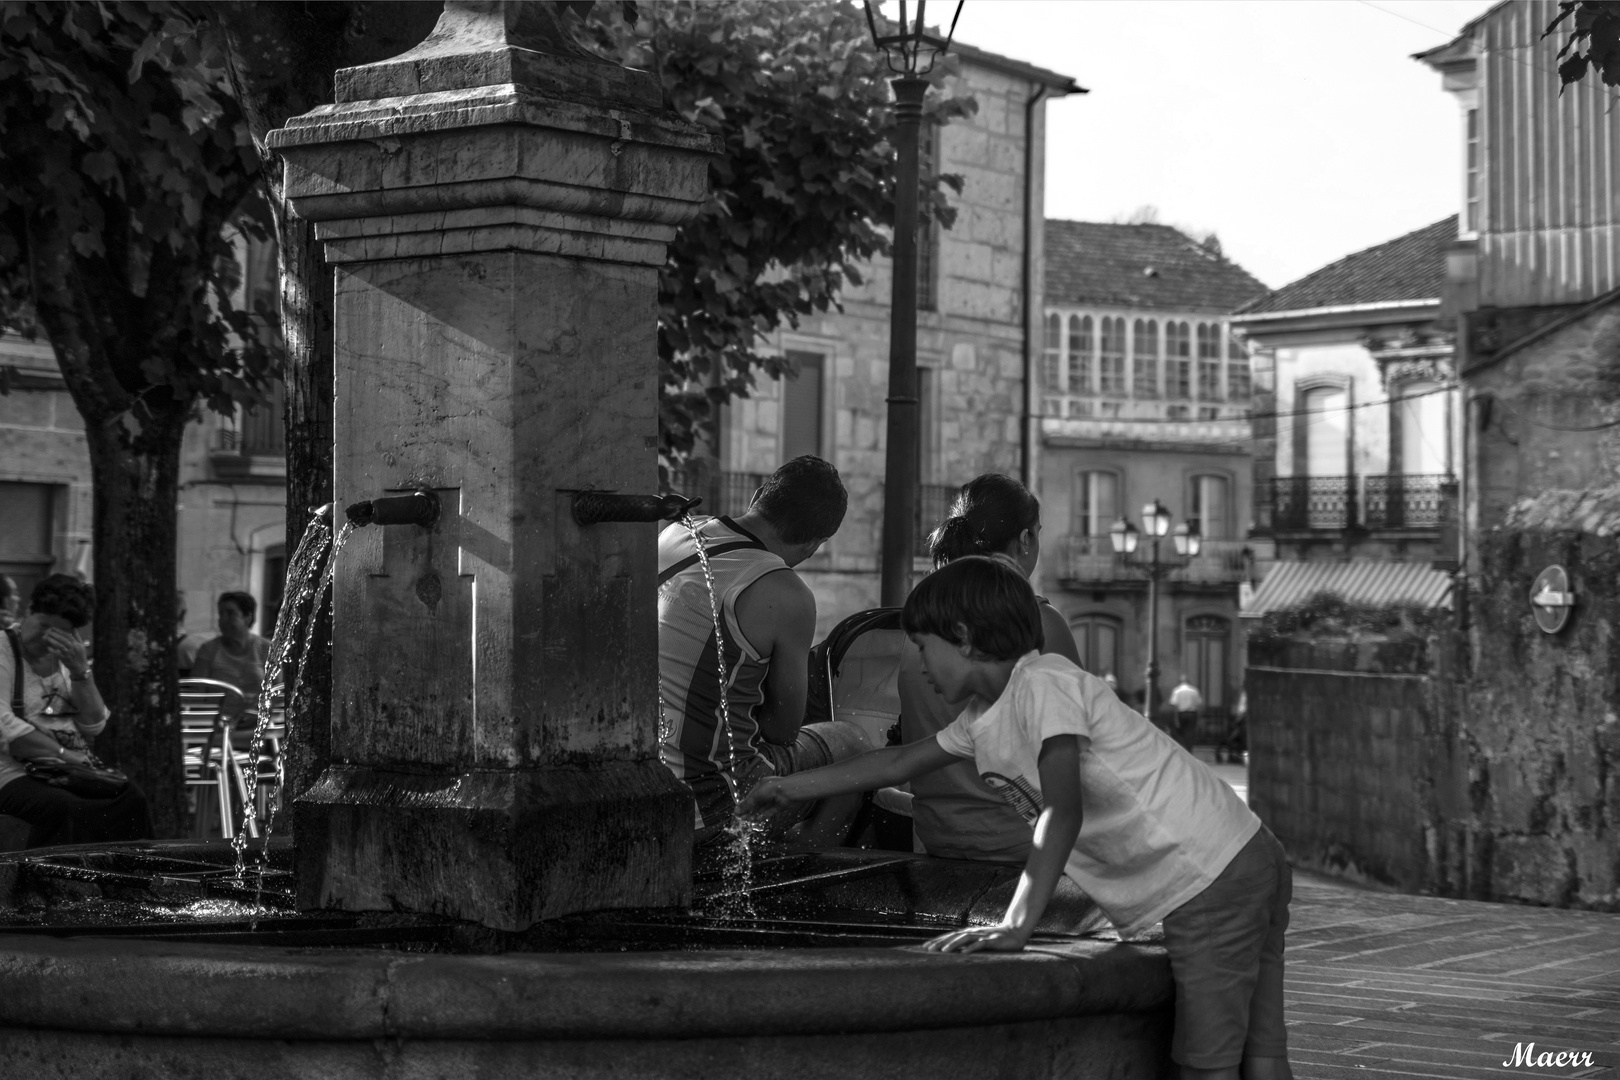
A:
<point x="1111" y="357"/>
<point x="1209" y="507"/>
<point x="1239" y="376"/>
<point x="1052" y="355"/>
<point x="1178" y="361"/>
<point x="1079" y="354"/>
<point x="1209" y="362"/>
<point x="1096" y="502"/>
<point x="1145" y="358"/>
<point x="1097" y="638"/>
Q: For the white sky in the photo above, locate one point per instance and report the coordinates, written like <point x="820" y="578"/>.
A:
<point x="1297" y="130"/>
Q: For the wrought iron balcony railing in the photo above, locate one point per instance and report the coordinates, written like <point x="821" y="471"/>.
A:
<point x="727" y="493"/>
<point x="1327" y="503"/>
<point x="1404" y="502"/>
<point x="1092" y="559"/>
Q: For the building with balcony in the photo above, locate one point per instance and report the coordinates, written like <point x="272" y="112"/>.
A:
<point x="1145" y="394"/>
<point x="977" y="341"/>
<point x="1355" y="461"/>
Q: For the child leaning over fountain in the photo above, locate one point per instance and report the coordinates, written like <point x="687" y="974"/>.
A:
<point x="1144" y="827"/>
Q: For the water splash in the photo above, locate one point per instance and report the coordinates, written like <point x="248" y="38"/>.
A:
<point x="737" y="857"/>
<point x="309" y="578"/>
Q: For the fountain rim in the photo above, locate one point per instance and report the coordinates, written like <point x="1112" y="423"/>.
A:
<point x="164" y="988"/>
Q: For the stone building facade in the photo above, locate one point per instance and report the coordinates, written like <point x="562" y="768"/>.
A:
<point x="1145" y="395"/>
<point x="973" y="342"/>
<point x="1526" y="778"/>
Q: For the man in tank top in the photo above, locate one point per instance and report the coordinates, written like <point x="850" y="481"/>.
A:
<point x="768" y="619"/>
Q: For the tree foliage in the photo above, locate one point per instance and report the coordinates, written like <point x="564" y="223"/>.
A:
<point x="1593" y="43"/>
<point x="123" y="159"/>
<point x="802" y="189"/>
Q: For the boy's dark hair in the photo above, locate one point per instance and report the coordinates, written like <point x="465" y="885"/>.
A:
<point x="992" y="599"/>
<point x="990" y="512"/>
<point x="804" y="500"/>
<point x="64" y="596"/>
<point x="242" y="602"/>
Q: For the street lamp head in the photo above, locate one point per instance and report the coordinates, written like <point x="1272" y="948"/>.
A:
<point x="907" y="46"/>
<point x="1155" y="519"/>
<point x="1123" y="537"/>
<point x="1187" y="540"/>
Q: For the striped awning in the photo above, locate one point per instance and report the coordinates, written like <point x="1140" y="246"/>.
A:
<point x="1365" y="582"/>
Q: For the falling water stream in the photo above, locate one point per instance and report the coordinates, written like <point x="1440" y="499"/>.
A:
<point x="737" y="858"/>
<point x="309" y="577"/>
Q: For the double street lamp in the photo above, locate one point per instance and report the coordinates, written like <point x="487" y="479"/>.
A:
<point x="1125" y="537"/>
<point x="910" y="52"/>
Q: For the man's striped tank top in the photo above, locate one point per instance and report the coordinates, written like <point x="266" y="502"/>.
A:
<point x="695" y="747"/>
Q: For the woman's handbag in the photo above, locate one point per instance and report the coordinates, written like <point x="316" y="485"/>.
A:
<point x="85" y="781"/>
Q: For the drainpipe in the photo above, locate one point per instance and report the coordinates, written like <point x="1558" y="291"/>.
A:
<point x="1034" y="307"/>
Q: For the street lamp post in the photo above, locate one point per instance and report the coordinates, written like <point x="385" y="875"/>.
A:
<point x="910" y="53"/>
<point x="1156" y="525"/>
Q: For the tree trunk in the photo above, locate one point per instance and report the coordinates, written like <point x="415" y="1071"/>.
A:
<point x="136" y="478"/>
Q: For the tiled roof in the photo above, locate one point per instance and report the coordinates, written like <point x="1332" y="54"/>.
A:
<point x="1410" y="267"/>
<point x="1140" y="266"/>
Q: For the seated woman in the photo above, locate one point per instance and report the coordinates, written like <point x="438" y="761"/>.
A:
<point x="238" y="656"/>
<point x="955" y="814"/>
<point x="49" y="709"/>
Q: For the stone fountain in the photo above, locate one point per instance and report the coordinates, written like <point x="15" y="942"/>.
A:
<point x="495" y="861"/>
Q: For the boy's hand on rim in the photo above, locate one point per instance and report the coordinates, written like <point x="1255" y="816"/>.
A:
<point x="999" y="938"/>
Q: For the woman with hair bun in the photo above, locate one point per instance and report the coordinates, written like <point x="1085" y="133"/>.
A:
<point x="956" y="814"/>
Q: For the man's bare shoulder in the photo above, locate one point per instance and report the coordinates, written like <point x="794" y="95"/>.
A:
<point x="777" y="606"/>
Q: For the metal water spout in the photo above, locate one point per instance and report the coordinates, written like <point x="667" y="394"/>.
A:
<point x="593" y="507"/>
<point x="414" y="508"/>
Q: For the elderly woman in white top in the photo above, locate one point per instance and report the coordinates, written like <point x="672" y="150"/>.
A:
<point x="49" y="709"/>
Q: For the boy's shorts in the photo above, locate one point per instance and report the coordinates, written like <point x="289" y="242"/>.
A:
<point x="1226" y="953"/>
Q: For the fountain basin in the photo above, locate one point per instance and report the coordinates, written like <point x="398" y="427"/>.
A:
<point x="168" y="999"/>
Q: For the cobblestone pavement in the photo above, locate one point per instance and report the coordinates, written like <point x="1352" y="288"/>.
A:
<point x="1387" y="985"/>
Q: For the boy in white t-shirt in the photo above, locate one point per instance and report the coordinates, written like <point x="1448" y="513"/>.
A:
<point x="1144" y="827"/>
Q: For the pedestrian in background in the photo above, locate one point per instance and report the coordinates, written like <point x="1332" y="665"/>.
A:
<point x="1187" y="703"/>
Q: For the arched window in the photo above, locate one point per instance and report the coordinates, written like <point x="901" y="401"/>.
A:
<point x="1097" y="637"/>
<point x="1178" y="362"/>
<point x="1145" y="358"/>
<point x="1052" y="357"/>
<point x="1209" y="362"/>
<point x="1327" y="430"/>
<point x="1111" y="357"/>
<point x="1205" y="647"/>
<point x="1096" y="502"/>
<point x="1209" y="507"/>
<point x="1079" y="354"/>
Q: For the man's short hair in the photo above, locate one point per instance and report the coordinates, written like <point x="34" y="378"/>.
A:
<point x="803" y="500"/>
<point x="64" y="596"/>
<point x="242" y="602"/>
<point x="992" y="599"/>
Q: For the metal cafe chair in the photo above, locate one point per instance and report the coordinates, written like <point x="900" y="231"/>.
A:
<point x="266" y="770"/>
<point x="210" y="760"/>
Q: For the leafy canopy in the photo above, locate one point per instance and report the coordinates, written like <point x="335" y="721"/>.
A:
<point x="1593" y="43"/>
<point x="122" y="153"/>
<point x="802" y="190"/>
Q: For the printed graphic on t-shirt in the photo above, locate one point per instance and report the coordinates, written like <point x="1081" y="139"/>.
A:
<point x="1019" y="793"/>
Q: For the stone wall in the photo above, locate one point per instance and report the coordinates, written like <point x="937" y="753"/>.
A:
<point x="1336" y="762"/>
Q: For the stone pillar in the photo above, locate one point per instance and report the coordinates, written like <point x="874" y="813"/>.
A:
<point x="497" y="204"/>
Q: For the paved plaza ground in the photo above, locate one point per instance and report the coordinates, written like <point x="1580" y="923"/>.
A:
<point x="1387" y="985"/>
